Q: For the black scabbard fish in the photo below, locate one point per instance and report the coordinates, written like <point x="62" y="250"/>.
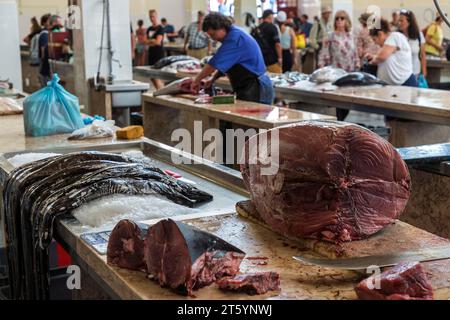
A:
<point x="38" y="193"/>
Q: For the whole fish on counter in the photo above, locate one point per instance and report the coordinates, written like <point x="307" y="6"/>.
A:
<point x="172" y="59"/>
<point x="176" y="87"/>
<point x="327" y="74"/>
<point x="358" y="79"/>
<point x="38" y="193"/>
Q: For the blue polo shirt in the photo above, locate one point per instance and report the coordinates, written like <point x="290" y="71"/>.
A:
<point x="239" y="47"/>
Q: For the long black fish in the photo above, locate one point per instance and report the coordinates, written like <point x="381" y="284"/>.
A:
<point x="358" y="79"/>
<point x="38" y="193"/>
<point x="169" y="60"/>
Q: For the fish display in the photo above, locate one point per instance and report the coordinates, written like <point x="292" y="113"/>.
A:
<point x="358" y="79"/>
<point x="175" y="87"/>
<point x="406" y="281"/>
<point x="37" y="193"/>
<point x="170" y="60"/>
<point x="327" y="74"/>
<point x="185" y="258"/>
<point x="289" y="78"/>
<point x="339" y="183"/>
<point x="184" y="65"/>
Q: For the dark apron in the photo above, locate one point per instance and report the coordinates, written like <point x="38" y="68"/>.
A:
<point x="250" y="87"/>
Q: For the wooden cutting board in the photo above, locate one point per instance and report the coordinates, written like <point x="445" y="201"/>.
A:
<point x="397" y="237"/>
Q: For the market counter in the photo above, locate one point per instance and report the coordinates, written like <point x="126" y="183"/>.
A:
<point x="267" y="250"/>
<point x="165" y="115"/>
<point x="437" y="68"/>
<point x="422" y="116"/>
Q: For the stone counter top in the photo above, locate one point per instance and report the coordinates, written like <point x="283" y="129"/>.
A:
<point x="13" y="139"/>
<point x="242" y="112"/>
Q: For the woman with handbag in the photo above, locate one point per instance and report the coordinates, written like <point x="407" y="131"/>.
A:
<point x="409" y="27"/>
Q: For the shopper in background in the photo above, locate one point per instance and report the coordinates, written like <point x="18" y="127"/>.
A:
<point x="395" y="20"/>
<point x="435" y="38"/>
<point x="269" y="42"/>
<point x="366" y="45"/>
<point x="295" y="20"/>
<point x="169" y="30"/>
<point x="155" y="37"/>
<point x="339" y="46"/>
<point x="197" y="43"/>
<point x="409" y="27"/>
<point x="141" y="48"/>
<point x="287" y="40"/>
<point x="320" y="29"/>
<point x="44" y="67"/>
<point x="394" y="59"/>
<point x="35" y="29"/>
<point x="240" y="58"/>
<point x="305" y="26"/>
<point x="339" y="50"/>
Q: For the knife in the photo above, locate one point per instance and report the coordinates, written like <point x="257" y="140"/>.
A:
<point x="386" y="260"/>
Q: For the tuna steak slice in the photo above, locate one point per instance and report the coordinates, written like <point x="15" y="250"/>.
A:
<point x="125" y="246"/>
<point x="336" y="181"/>
<point x="252" y="283"/>
<point x="185" y="258"/>
<point x="407" y="281"/>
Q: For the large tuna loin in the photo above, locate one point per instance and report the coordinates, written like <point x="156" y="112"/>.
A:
<point x="335" y="181"/>
<point x="185" y="258"/>
<point x="406" y="281"/>
<point x="126" y="247"/>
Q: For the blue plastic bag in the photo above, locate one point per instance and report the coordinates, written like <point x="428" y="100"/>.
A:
<point x="423" y="83"/>
<point x="51" y="110"/>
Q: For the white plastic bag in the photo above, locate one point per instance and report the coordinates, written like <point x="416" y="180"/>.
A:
<point x="98" y="129"/>
<point x="9" y="106"/>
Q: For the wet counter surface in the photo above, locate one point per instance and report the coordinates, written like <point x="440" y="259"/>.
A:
<point x="13" y="137"/>
<point x="242" y="112"/>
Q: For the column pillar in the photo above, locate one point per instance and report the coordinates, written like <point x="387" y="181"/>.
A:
<point x="10" y="64"/>
<point x="242" y="7"/>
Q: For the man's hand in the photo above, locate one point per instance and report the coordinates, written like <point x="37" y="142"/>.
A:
<point x="368" y="56"/>
<point x="208" y="83"/>
<point x="195" y="86"/>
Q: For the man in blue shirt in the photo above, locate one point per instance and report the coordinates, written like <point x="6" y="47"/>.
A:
<point x="240" y="58"/>
<point x="305" y="25"/>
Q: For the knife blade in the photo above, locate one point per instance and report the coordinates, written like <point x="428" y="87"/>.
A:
<point x="386" y="260"/>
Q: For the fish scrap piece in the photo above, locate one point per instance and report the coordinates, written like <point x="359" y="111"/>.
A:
<point x="406" y="281"/>
<point x="251" y="283"/>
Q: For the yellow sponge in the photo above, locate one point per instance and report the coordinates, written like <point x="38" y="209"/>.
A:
<point x="132" y="132"/>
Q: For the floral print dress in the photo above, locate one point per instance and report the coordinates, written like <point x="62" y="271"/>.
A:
<point x="339" y="50"/>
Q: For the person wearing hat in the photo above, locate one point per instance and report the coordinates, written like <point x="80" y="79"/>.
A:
<point x="269" y="42"/>
<point x="239" y="57"/>
<point x="197" y="43"/>
<point x="365" y="44"/>
<point x="287" y="40"/>
<point x="318" y="34"/>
